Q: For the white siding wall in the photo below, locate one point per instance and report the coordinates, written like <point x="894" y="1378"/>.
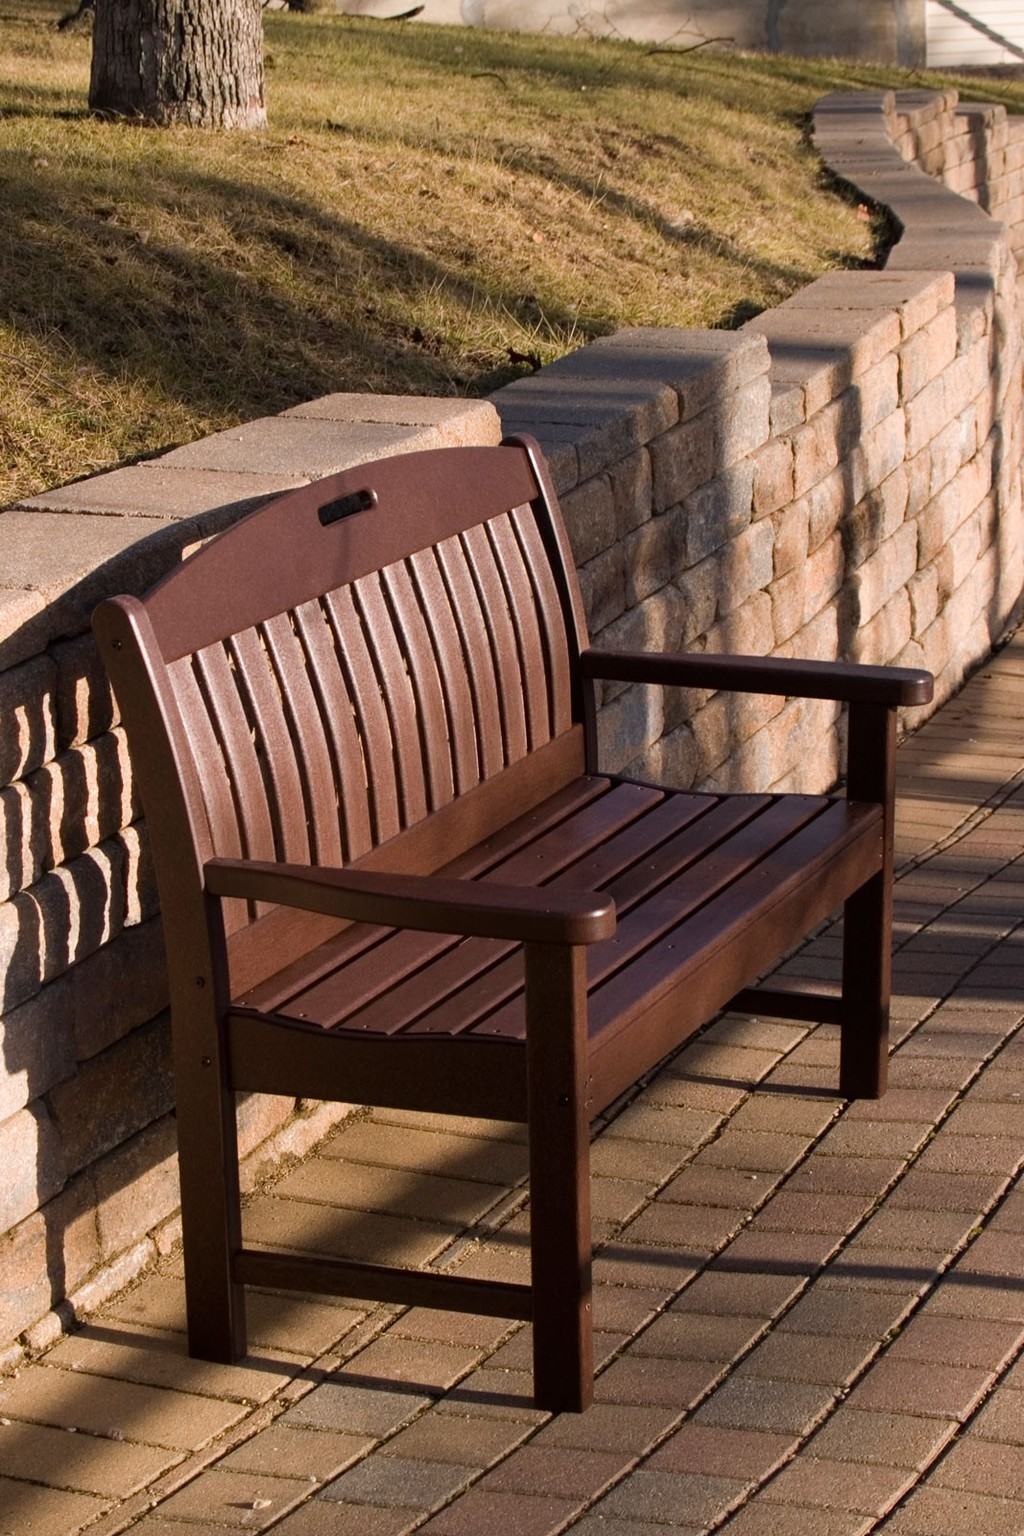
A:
<point x="993" y="35"/>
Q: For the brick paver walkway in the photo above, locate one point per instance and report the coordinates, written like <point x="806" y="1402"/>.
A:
<point x="810" y="1314"/>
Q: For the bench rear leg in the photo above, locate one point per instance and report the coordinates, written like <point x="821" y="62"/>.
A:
<point x="560" y="1241"/>
<point x="867" y="915"/>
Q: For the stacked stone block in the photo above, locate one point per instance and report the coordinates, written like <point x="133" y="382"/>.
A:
<point x="89" y="1193"/>
<point x="974" y="148"/>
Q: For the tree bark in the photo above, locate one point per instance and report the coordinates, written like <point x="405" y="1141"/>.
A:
<point x="194" y="62"/>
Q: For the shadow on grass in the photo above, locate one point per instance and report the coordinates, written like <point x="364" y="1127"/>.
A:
<point x="247" y="335"/>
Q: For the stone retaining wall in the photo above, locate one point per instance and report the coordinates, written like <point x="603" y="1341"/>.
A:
<point x="973" y="148"/>
<point x="841" y="477"/>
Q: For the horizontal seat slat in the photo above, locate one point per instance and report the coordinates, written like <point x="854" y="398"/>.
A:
<point x="485" y="856"/>
<point x="268" y="950"/>
<point x="678" y="867"/>
<point x="698" y="822"/>
<point x="453" y="995"/>
<point x="530" y="859"/>
<point x="643" y="839"/>
<point x="797" y="860"/>
<point x="708" y="864"/>
<point x="456" y="962"/>
<point x="715" y="974"/>
<point x="640" y="1004"/>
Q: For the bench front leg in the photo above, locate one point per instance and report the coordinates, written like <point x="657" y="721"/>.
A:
<point x="867" y="915"/>
<point x="559" y="1129"/>
<point x="207" y="1147"/>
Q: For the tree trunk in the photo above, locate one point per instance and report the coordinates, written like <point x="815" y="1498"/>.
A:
<point x="194" y="62"/>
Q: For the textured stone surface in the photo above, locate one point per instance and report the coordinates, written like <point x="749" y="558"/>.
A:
<point x="70" y="562"/>
<point x="36" y="1047"/>
<point x="305" y="448"/>
<point x="31" y="1154"/>
<point x="114" y="1094"/>
<point x="152" y="490"/>
<point x="28" y="708"/>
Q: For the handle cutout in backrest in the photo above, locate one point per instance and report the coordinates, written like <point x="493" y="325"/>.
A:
<point x="346" y="506"/>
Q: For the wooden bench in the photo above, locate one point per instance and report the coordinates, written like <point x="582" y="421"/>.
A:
<point x="392" y="872"/>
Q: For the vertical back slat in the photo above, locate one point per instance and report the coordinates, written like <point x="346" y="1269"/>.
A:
<point x="476" y="646"/>
<point x="307" y="730"/>
<point x="336" y="712"/>
<point x="522" y="610"/>
<point x="284" y="787"/>
<point x="243" y="766"/>
<point x="398" y="698"/>
<point x="371" y="717"/>
<point x="432" y="596"/>
<point x="558" y="551"/>
<point x="417" y="642"/>
<point x="216" y="790"/>
<point x="552" y="618"/>
<point x="494" y="602"/>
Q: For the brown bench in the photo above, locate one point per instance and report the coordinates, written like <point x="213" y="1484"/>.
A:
<point x="391" y="872"/>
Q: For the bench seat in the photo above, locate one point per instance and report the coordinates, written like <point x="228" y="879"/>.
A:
<point x="705" y="887"/>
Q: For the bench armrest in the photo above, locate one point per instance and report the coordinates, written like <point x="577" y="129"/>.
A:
<point x="849" y="683"/>
<point x="472" y="908"/>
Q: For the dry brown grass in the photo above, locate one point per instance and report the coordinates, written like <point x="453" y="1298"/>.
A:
<point x="431" y="211"/>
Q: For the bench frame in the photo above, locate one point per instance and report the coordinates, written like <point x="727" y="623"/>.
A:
<point x="221" y="1047"/>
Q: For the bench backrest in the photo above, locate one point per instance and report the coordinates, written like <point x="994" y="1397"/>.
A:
<point x="347" y="660"/>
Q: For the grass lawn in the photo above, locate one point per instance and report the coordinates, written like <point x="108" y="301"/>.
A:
<point x="431" y="211"/>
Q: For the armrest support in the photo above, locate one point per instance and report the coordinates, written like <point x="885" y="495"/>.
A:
<point x="526" y="914"/>
<point x="849" y="683"/>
